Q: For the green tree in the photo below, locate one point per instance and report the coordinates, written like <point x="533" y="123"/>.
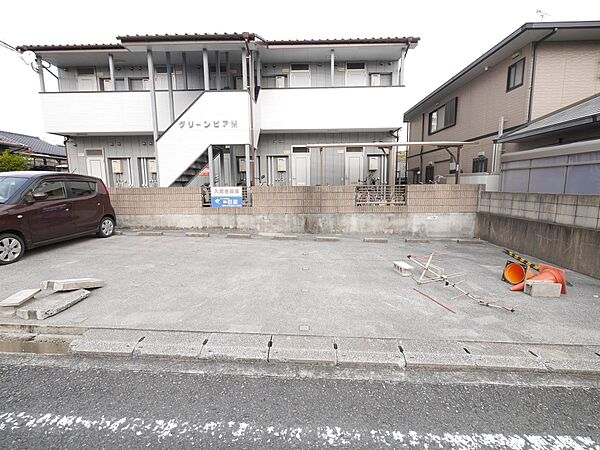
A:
<point x="12" y="163"/>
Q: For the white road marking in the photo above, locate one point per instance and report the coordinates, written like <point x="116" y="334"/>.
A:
<point x="231" y="431"/>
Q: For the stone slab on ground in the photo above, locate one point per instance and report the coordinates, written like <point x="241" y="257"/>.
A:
<point x="302" y="349"/>
<point x="469" y="241"/>
<point x="375" y="240"/>
<point x="419" y="354"/>
<point x="48" y="306"/>
<point x="238" y="347"/>
<point x="72" y="284"/>
<point x="504" y="356"/>
<point x="417" y="241"/>
<point x="150" y="233"/>
<point x="107" y="342"/>
<point x="19" y="298"/>
<point x="327" y="239"/>
<point x="285" y="237"/>
<point x="171" y="344"/>
<point x="239" y="236"/>
<point x="371" y="352"/>
<point x="568" y="358"/>
<point x="197" y="234"/>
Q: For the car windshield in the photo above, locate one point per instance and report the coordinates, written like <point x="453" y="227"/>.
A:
<point x="8" y="186"/>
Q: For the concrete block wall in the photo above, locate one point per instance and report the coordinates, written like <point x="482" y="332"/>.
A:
<point x="582" y="211"/>
<point x="442" y="198"/>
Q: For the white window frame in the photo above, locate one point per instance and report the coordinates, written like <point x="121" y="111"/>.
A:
<point x="292" y="71"/>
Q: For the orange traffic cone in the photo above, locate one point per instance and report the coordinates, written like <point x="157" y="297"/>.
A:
<point x="553" y="274"/>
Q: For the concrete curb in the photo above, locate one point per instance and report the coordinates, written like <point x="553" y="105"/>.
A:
<point x="368" y="353"/>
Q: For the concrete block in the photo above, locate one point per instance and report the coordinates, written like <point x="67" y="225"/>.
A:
<point x="285" y="237"/>
<point x="542" y="288"/>
<point x="586" y="222"/>
<point x="376" y="240"/>
<point x="171" y="344"/>
<point x="327" y="239"/>
<point x="49" y="306"/>
<point x="239" y="235"/>
<point x="98" y="342"/>
<point x="238" y="347"/>
<point x="150" y="233"/>
<point x="494" y="355"/>
<point x="302" y="349"/>
<point x="436" y="354"/>
<point x="366" y="351"/>
<point x="417" y="241"/>
<point x="196" y="234"/>
<point x="72" y="284"/>
<point x="19" y="298"/>
<point x="403" y="268"/>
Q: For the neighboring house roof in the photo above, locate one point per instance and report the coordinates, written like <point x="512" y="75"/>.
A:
<point x="581" y="114"/>
<point x="35" y="144"/>
<point x="526" y="34"/>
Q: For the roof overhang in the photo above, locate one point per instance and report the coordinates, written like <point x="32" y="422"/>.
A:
<point x="526" y="34"/>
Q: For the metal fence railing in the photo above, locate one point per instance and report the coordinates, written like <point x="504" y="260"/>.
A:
<point x="380" y="195"/>
<point x="207" y="201"/>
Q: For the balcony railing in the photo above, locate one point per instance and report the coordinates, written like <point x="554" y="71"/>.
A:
<point x="380" y="195"/>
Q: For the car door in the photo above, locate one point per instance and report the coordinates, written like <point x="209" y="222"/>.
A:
<point x="86" y="209"/>
<point x="50" y="218"/>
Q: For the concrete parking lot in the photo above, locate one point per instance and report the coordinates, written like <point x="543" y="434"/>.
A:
<point x="260" y="285"/>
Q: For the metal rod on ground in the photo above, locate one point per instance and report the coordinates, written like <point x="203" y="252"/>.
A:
<point x="447" y="282"/>
<point x="434" y="300"/>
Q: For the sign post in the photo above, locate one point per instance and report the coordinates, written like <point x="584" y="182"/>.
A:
<point x="226" y="197"/>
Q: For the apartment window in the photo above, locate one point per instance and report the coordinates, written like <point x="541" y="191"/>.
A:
<point x="299" y="75"/>
<point x="480" y="164"/>
<point x="443" y="117"/>
<point x="515" y="75"/>
<point x="139" y="84"/>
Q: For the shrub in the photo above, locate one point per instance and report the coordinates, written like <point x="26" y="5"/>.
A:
<point x="12" y="163"/>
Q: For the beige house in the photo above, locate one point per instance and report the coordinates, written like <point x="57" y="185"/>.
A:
<point x="536" y="73"/>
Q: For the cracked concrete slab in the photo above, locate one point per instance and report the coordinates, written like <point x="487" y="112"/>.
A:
<point x="50" y="305"/>
<point x="569" y="358"/>
<point x="236" y="346"/>
<point x="72" y="284"/>
<point x="302" y="349"/>
<point x="169" y="344"/>
<point x="436" y="354"/>
<point x="504" y="356"/>
<point x="372" y="352"/>
<point x="105" y="342"/>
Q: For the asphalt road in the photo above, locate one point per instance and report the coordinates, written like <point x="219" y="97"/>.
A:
<point x="115" y="407"/>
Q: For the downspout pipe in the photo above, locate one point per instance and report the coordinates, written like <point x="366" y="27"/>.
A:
<point x="251" y="105"/>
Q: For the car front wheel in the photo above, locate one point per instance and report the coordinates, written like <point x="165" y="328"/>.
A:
<point x="12" y="248"/>
<point x="106" y="227"/>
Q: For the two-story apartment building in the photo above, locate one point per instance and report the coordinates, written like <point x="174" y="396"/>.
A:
<point x="540" y="70"/>
<point x="156" y="109"/>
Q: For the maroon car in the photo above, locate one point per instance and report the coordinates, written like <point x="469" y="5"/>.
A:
<point x="39" y="208"/>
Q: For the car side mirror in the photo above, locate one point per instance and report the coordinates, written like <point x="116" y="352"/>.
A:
<point x="39" y="196"/>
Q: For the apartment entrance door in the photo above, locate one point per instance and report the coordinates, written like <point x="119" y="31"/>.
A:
<point x="95" y="164"/>
<point x="354" y="165"/>
<point x="300" y="166"/>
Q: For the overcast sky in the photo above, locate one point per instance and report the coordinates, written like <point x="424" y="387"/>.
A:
<point x="453" y="33"/>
